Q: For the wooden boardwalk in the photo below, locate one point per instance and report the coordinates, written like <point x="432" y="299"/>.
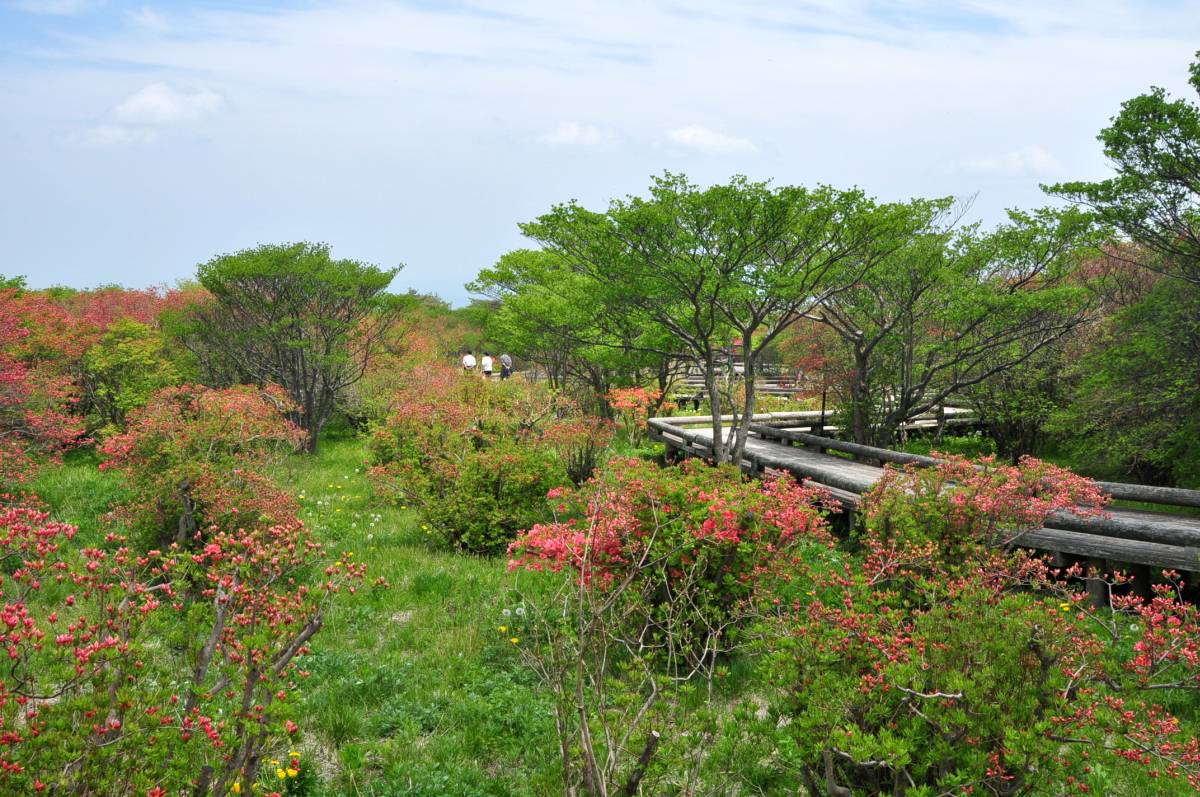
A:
<point x="1138" y="538"/>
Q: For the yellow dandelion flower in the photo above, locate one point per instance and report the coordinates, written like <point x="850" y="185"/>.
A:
<point x="514" y="640"/>
<point x="281" y="774"/>
<point x="503" y="629"/>
<point x="1066" y="607"/>
<point x="236" y="788"/>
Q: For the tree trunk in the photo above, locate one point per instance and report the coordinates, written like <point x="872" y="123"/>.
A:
<point x="859" y="395"/>
<point x="748" y="377"/>
<point x="714" y="400"/>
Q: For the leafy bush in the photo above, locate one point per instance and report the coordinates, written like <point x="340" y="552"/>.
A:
<point x="94" y="702"/>
<point x="195" y="456"/>
<point x="478" y="457"/>
<point x="944" y="662"/>
<point x="122" y="371"/>
<point x="661" y="570"/>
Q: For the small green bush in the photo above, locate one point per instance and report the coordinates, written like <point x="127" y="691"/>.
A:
<point x="478" y="457"/>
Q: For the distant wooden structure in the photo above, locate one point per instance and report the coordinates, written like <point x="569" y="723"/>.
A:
<point x="1130" y="540"/>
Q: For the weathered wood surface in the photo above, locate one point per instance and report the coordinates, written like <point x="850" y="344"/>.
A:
<point x="1132" y="524"/>
<point x="1096" y="546"/>
<point x="1124" y="535"/>
<point x="1172" y="496"/>
<point x="884" y="455"/>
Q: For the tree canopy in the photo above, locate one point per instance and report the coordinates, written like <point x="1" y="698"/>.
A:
<point x="1153" y="145"/>
<point x="289" y="315"/>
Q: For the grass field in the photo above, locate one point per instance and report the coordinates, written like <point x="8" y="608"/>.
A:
<point x="415" y="689"/>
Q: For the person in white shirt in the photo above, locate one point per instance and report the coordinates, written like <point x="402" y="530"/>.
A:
<point x="468" y="362"/>
<point x="486" y="365"/>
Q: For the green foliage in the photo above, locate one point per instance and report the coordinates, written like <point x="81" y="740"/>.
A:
<point x="685" y="270"/>
<point x="1154" y="198"/>
<point x="478" y="457"/>
<point x="496" y="492"/>
<point x="289" y="315"/>
<point x="122" y="371"/>
<point x="549" y="315"/>
<point x="952" y="309"/>
<point x="1136" y="410"/>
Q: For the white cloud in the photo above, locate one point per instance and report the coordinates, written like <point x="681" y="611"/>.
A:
<point x="578" y="134"/>
<point x="108" y="136"/>
<point x="58" y="8"/>
<point x="148" y="19"/>
<point x="159" y="104"/>
<point x="1031" y="161"/>
<point x="701" y="139"/>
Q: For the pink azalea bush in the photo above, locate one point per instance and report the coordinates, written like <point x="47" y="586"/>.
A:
<point x="942" y="660"/>
<point x="695" y="540"/>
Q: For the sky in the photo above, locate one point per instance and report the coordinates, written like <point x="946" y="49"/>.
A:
<point x="138" y="139"/>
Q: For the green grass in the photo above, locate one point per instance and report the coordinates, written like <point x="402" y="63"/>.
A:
<point x="79" y="492"/>
<point x="413" y="689"/>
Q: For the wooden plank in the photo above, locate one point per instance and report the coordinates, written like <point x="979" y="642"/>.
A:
<point x="1132" y="524"/>
<point x="843" y="474"/>
<point x="845" y="497"/>
<point x="882" y="454"/>
<point x="1172" y="496"/>
<point x="1094" y="546"/>
<point x="762" y="417"/>
<point x="1122" y="535"/>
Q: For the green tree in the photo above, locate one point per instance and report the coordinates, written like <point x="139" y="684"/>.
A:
<point x="1153" y="145"/>
<point x="1136" y="410"/>
<point x="952" y="309"/>
<point x="290" y="315"/>
<point x="703" y="267"/>
<point x="120" y="372"/>
<point x="556" y="328"/>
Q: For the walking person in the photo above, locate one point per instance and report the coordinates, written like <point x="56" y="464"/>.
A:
<point x="505" y="366"/>
<point x="468" y="362"/>
<point x="486" y="365"/>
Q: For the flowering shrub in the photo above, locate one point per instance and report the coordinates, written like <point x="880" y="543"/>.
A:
<point x="633" y="406"/>
<point x="963" y="504"/>
<point x="194" y="457"/>
<point x="478" y="456"/>
<point x="35" y="423"/>
<point x="660" y="569"/>
<point x="941" y="662"/>
<point x="91" y="695"/>
<point x="693" y="543"/>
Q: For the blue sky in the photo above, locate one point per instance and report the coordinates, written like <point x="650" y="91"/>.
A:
<point x="138" y="139"/>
